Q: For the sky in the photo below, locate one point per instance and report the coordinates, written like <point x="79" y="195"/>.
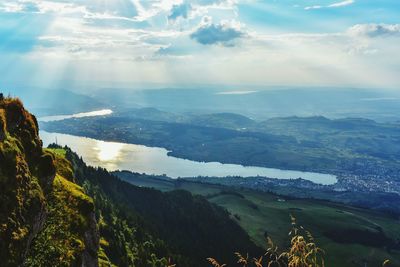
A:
<point x="97" y="43"/>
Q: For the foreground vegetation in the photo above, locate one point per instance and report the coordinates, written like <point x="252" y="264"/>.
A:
<point x="303" y="252"/>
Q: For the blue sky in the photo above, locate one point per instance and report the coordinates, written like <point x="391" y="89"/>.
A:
<point x="350" y="43"/>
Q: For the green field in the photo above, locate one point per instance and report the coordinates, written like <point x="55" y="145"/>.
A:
<point x="263" y="213"/>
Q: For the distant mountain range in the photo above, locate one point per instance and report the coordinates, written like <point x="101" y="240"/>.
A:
<point x="262" y="103"/>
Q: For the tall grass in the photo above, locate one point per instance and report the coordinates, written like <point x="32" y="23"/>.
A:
<point x="303" y="252"/>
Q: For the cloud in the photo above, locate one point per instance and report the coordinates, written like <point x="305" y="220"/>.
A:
<point x="374" y="30"/>
<point x="181" y="10"/>
<point x="124" y="8"/>
<point x="224" y="33"/>
<point x="30" y="7"/>
<point x="210" y="2"/>
<point x="173" y="50"/>
<point x="343" y="3"/>
<point x="83" y="36"/>
<point x="313" y="7"/>
<point x="334" y="5"/>
<point x="20" y="7"/>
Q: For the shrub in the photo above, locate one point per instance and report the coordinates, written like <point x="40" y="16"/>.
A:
<point x="303" y="252"/>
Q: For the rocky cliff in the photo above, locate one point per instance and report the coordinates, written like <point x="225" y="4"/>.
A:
<point x="45" y="218"/>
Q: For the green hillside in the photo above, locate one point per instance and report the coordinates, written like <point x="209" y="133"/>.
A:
<point x="188" y="228"/>
<point x="350" y="236"/>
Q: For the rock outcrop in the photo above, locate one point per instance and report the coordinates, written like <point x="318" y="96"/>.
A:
<point x="42" y="212"/>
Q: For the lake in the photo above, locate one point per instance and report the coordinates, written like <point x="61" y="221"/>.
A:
<point x="154" y="160"/>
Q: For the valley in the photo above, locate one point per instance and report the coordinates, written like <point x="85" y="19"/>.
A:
<point x="358" y="235"/>
<point x="328" y="169"/>
<point x="254" y="206"/>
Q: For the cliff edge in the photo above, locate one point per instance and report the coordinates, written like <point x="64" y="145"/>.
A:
<point x="45" y="218"/>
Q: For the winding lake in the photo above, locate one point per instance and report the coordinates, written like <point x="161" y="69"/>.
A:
<point x="155" y="160"/>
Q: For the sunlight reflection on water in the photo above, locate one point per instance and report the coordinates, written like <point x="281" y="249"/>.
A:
<point x="108" y="151"/>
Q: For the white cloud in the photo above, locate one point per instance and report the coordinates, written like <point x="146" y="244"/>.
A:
<point x="375" y="30"/>
<point x="334" y="5"/>
<point x="343" y="3"/>
<point x="19" y="7"/>
<point x="313" y="7"/>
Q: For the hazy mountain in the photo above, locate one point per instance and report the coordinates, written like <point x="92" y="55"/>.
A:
<point x="45" y="102"/>
<point x="264" y="103"/>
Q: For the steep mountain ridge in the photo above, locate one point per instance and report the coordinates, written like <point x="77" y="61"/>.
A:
<point x="35" y="195"/>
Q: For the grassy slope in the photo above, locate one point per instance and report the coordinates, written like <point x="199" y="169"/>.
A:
<point x="62" y="240"/>
<point x="262" y="212"/>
